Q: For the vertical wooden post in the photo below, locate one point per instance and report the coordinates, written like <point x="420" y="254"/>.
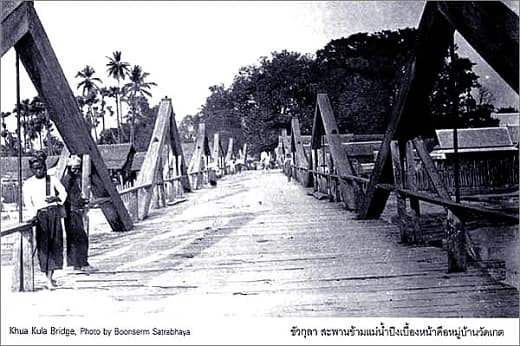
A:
<point x="455" y="243"/>
<point x="23" y="271"/>
<point x="27" y="260"/>
<point x="398" y="184"/>
<point x="455" y="230"/>
<point x="133" y="205"/>
<point x="85" y="187"/>
<point x="411" y="179"/>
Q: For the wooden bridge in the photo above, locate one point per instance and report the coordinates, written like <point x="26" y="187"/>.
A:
<point x="259" y="246"/>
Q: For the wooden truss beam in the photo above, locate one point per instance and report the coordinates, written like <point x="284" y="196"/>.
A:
<point x="200" y="153"/>
<point x="325" y="124"/>
<point x="152" y="167"/>
<point x="22" y="27"/>
<point x="490" y="27"/>
<point x="300" y="158"/>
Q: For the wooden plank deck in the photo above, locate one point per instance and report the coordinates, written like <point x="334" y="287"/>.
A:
<point x="257" y="246"/>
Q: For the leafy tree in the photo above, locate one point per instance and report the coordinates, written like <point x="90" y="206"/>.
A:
<point x="469" y="112"/>
<point x="117" y="69"/>
<point x="188" y="128"/>
<point x="361" y="74"/>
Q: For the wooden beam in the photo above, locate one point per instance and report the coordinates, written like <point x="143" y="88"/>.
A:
<point x="455" y="230"/>
<point x="215" y="152"/>
<point x="15" y="23"/>
<point x="61" y="166"/>
<point x="399" y="184"/>
<point x="430" y="169"/>
<point x="350" y="190"/>
<point x="300" y="159"/>
<point x="43" y="68"/>
<point x="197" y="162"/>
<point x="176" y="146"/>
<point x="229" y="154"/>
<point x="434" y="36"/>
<point x="491" y="28"/>
<point x="151" y="164"/>
<point x="411" y="181"/>
<point x="85" y="187"/>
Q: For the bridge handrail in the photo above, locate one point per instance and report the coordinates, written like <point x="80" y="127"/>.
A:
<point x="18" y="227"/>
<point x="450" y="204"/>
<point x="336" y="176"/>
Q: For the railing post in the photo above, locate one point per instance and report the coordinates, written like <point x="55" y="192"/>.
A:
<point x="398" y="184"/>
<point x="411" y="180"/>
<point x="455" y="243"/>
<point x="23" y="271"/>
<point x="133" y="205"/>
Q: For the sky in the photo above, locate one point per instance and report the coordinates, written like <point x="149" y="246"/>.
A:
<point x="189" y="46"/>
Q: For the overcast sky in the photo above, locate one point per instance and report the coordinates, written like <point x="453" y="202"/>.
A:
<point x="188" y="46"/>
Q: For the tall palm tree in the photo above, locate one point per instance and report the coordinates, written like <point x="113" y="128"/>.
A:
<point x="104" y="92"/>
<point x="24" y="113"/>
<point x="134" y="90"/>
<point x="88" y="82"/>
<point x="117" y="69"/>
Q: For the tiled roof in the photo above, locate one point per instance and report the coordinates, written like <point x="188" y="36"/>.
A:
<point x="487" y="137"/>
<point x="115" y="155"/>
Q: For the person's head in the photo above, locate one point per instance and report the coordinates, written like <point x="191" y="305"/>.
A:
<point x="74" y="164"/>
<point x="38" y="165"/>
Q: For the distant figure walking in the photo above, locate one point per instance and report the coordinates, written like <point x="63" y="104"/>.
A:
<point x="77" y="238"/>
<point x="264" y="160"/>
<point x="43" y="197"/>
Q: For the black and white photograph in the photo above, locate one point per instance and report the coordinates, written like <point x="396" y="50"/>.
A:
<point x="259" y="172"/>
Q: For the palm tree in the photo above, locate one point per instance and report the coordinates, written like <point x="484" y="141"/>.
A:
<point x="23" y="112"/>
<point x="134" y="90"/>
<point x="104" y="92"/>
<point x="38" y="119"/>
<point x="113" y="91"/>
<point x="117" y="69"/>
<point x="89" y="81"/>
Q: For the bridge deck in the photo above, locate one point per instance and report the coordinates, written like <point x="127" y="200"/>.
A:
<point x="257" y="246"/>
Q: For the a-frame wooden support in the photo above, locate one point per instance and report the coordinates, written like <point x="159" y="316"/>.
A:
<point x="300" y="159"/>
<point x="217" y="153"/>
<point x="242" y="155"/>
<point x="164" y="136"/>
<point x="229" y="155"/>
<point x="324" y="124"/>
<point x="21" y="28"/>
<point x="198" y="161"/>
<point x="490" y="27"/>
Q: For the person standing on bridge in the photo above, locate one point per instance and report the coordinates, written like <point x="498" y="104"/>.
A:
<point x="77" y="237"/>
<point x="43" y="197"/>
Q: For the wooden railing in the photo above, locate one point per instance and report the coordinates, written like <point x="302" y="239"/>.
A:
<point x="24" y="246"/>
<point x="23" y="273"/>
<point x="332" y="179"/>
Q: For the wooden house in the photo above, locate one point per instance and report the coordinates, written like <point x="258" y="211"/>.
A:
<point x="487" y="158"/>
<point x="118" y="158"/>
<point x="9" y="174"/>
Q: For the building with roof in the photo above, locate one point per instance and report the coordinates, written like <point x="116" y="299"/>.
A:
<point x="9" y="174"/>
<point x="511" y="121"/>
<point x="487" y="157"/>
<point x="118" y="158"/>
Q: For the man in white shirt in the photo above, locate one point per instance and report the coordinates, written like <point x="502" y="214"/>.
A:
<point x="43" y="197"/>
